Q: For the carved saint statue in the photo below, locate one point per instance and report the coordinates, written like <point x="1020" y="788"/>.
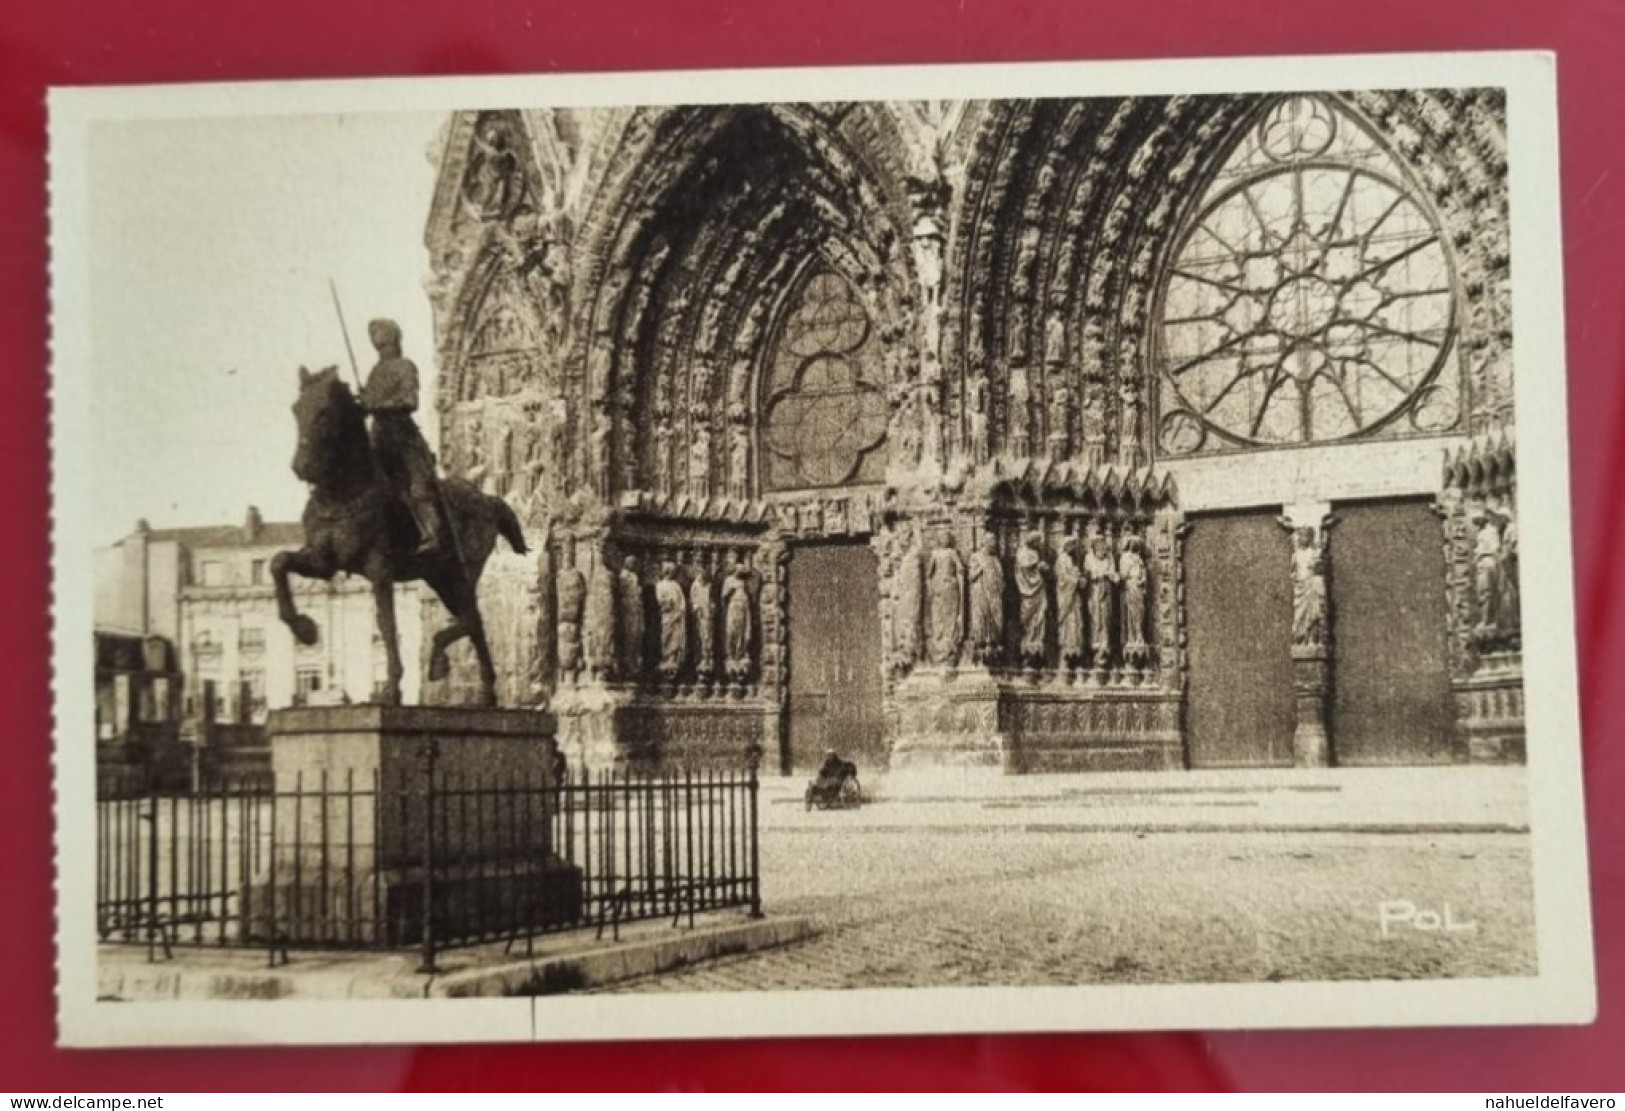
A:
<point x="672" y="605"/>
<point x="1508" y="603"/>
<point x="906" y="604"/>
<point x="1020" y="412"/>
<point x="1054" y="339"/>
<point x="1034" y="601"/>
<point x="1101" y="572"/>
<point x="630" y="589"/>
<point x="1060" y="419"/>
<point x="1131" y="569"/>
<point x="1093" y="422"/>
<point x="1487" y="571"/>
<point x="1308" y="589"/>
<point x="976" y="416"/>
<point x="1069" y="603"/>
<point x="739" y="464"/>
<point x="1129" y="450"/>
<point x="571" y="589"/>
<point x="945" y="589"/>
<point x="703" y="608"/>
<point x="736" y="619"/>
<point x="600" y="638"/>
<point x="987" y="601"/>
<point x="699" y="461"/>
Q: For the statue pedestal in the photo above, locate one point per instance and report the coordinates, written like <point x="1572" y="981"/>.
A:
<point x="1489" y="711"/>
<point x="373" y="803"/>
<point x="948" y="718"/>
<point x="1311" y="682"/>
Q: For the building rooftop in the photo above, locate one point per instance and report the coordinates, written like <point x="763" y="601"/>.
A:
<point x="252" y="533"/>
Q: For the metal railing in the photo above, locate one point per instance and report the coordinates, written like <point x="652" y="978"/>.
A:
<point x="422" y="859"/>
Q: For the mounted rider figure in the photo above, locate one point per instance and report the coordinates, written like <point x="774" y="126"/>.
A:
<point x="390" y="397"/>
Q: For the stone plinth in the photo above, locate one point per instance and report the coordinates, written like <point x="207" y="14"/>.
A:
<point x="1090" y="727"/>
<point x="1311" y="685"/>
<point x="350" y="830"/>
<point x="1489" y="712"/>
<point x="948" y="718"/>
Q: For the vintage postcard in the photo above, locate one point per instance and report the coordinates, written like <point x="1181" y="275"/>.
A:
<point x="814" y="552"/>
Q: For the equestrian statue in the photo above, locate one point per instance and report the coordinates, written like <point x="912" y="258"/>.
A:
<point x="377" y="510"/>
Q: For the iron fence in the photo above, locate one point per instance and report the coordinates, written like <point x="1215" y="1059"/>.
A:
<point x="422" y="859"/>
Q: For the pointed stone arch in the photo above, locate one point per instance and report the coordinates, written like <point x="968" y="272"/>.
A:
<point x="724" y="208"/>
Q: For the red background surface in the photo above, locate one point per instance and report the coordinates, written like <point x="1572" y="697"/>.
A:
<point x="84" y="42"/>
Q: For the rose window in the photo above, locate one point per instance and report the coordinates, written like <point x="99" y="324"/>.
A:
<point x="1310" y="299"/>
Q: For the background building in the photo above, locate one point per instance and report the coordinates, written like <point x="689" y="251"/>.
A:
<point x="207" y="592"/>
<point x="1115" y="433"/>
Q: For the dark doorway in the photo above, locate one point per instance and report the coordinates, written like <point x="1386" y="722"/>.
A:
<point x="1238" y="620"/>
<point x="1391" y="699"/>
<point x="835" y="682"/>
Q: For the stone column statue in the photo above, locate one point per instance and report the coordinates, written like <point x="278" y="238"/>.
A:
<point x="737" y="620"/>
<point x="945" y="589"/>
<point x="1069" y="604"/>
<point x="629" y="587"/>
<point x="703" y="608"/>
<point x="976" y="389"/>
<point x="987" y="602"/>
<point x="1102" y="574"/>
<point x="571" y="589"/>
<point x="907" y="600"/>
<point x="1131" y="569"/>
<point x="1487" y="571"/>
<point x="600" y="630"/>
<point x="1030" y="575"/>
<point x="1308" y="590"/>
<point x="1508" y="602"/>
<point x="672" y="605"/>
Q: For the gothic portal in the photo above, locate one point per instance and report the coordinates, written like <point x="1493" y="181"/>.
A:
<point x="1035" y="434"/>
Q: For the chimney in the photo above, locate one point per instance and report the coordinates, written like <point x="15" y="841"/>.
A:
<point x="253" y="524"/>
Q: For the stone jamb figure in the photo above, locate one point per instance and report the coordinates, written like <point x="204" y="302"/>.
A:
<point x="1308" y="589"/>
<point x="633" y="619"/>
<point x="737" y="620"/>
<point x="987" y="602"/>
<point x="906" y="605"/>
<point x="671" y="603"/>
<point x="945" y="589"/>
<point x="1069" y="604"/>
<point x="702" y="605"/>
<point x="1488" y="561"/>
<point x="571" y="588"/>
<point x="1131" y="569"/>
<point x="1034" y="600"/>
<point x="1101" y="571"/>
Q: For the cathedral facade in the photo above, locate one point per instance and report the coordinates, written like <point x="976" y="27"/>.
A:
<point x="1153" y="432"/>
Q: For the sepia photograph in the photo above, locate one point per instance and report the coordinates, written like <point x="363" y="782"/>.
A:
<point x="814" y="552"/>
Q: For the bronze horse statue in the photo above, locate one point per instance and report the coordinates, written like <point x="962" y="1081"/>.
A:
<point x="355" y="522"/>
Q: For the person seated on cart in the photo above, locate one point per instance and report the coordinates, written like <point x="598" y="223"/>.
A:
<point x="833" y="775"/>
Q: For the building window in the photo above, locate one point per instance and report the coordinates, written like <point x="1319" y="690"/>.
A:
<point x="825" y="399"/>
<point x="1311" y="298"/>
<point x="307" y="683"/>
<point x="205" y="648"/>
<point x="251" y="640"/>
<point x="212" y="572"/>
<point x="256" y="572"/>
<point x="252" y="687"/>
